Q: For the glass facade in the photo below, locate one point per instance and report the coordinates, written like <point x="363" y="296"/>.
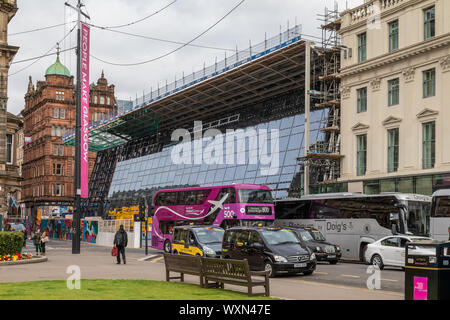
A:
<point x="160" y="171"/>
<point x="425" y="184"/>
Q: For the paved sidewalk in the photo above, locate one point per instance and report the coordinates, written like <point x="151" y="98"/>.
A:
<point x="97" y="263"/>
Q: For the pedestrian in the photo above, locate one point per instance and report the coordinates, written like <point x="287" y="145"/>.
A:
<point x="44" y="240"/>
<point x="37" y="240"/>
<point x="24" y="231"/>
<point x="121" y="242"/>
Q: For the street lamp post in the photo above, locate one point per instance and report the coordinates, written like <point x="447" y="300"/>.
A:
<point x="76" y="224"/>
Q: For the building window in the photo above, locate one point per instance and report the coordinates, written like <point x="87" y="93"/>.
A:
<point x="393" y="36"/>
<point x="57" y="169"/>
<point x="95" y="99"/>
<point x="61" y="150"/>
<point x="56" y="113"/>
<point x="102" y="100"/>
<point x="53" y="131"/>
<point x="109" y="100"/>
<point x="55" y="149"/>
<point x="9" y="148"/>
<point x="361" y="147"/>
<point x="362" y="47"/>
<point x="64" y="131"/>
<point x="429" y="83"/>
<point x="393" y="150"/>
<point x="62" y="113"/>
<point x="362" y="100"/>
<point x="60" y="95"/>
<point x="58" y="131"/>
<point x="429" y="23"/>
<point x="57" y="190"/>
<point x="429" y="145"/>
<point x="394" y="92"/>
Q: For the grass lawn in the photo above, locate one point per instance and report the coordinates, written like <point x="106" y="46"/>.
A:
<point x="116" y="290"/>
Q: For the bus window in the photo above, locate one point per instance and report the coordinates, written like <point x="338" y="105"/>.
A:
<point x="441" y="207"/>
<point x="166" y="227"/>
<point x="231" y="192"/>
<point x="292" y="210"/>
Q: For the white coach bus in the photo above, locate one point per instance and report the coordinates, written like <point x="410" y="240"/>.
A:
<point x="353" y="220"/>
<point x="440" y="215"/>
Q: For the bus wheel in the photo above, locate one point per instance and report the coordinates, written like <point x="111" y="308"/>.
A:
<point x="167" y="247"/>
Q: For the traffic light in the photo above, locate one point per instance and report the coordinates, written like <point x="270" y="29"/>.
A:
<point x="142" y="210"/>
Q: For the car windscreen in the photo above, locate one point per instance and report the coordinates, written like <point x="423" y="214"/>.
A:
<point x="276" y="237"/>
<point x="305" y="235"/>
<point x="317" y="235"/>
<point x="209" y="236"/>
<point x="255" y="196"/>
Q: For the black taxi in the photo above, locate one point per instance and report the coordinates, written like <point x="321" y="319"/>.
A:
<point x="272" y="249"/>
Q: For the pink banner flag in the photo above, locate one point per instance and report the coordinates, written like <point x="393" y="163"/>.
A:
<point x="84" y="56"/>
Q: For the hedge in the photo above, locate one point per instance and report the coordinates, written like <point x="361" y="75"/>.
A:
<point x="11" y="243"/>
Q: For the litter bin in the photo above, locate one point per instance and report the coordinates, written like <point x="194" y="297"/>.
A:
<point x="427" y="274"/>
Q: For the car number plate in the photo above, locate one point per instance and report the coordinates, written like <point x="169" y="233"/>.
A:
<point x="300" y="265"/>
<point x="331" y="256"/>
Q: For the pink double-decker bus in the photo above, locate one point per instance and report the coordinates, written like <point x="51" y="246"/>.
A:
<point x="222" y="206"/>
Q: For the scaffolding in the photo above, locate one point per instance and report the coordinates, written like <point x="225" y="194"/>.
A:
<point x="323" y="156"/>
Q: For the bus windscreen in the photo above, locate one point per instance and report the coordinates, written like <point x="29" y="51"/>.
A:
<point x="255" y="196"/>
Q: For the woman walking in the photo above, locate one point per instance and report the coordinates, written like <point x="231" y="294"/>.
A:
<point x="44" y="240"/>
<point x="37" y="240"/>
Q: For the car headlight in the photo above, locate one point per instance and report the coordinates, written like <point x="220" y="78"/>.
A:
<point x="313" y="256"/>
<point x="318" y="249"/>
<point x="209" y="251"/>
<point x="280" y="259"/>
<point x="338" y="248"/>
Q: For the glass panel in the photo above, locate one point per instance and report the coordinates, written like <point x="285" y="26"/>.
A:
<point x="406" y="185"/>
<point x="394" y="92"/>
<point x="393" y="36"/>
<point x="393" y="150"/>
<point x="361" y="154"/>
<point x="429" y="23"/>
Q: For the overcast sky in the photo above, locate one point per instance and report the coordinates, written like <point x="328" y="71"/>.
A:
<point x="182" y="21"/>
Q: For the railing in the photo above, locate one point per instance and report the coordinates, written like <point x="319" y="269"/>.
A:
<point x="372" y="8"/>
<point x="113" y="226"/>
<point x="237" y="59"/>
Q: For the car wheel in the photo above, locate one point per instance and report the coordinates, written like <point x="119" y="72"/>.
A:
<point x="377" y="261"/>
<point x="268" y="266"/>
<point x="333" y="262"/>
<point x="167" y="246"/>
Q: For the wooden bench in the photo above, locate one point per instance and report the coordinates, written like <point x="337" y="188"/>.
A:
<point x="184" y="265"/>
<point x="235" y="272"/>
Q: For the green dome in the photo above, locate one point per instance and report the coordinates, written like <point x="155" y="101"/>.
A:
<point x="57" y="69"/>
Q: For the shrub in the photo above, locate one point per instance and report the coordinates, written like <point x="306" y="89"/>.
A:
<point x="11" y="243"/>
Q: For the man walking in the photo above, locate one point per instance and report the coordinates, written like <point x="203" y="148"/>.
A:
<point x="121" y="242"/>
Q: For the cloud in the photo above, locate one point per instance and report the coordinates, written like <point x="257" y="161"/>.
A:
<point x="180" y="22"/>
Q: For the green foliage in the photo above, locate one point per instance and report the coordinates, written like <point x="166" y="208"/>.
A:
<point x="11" y="243"/>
